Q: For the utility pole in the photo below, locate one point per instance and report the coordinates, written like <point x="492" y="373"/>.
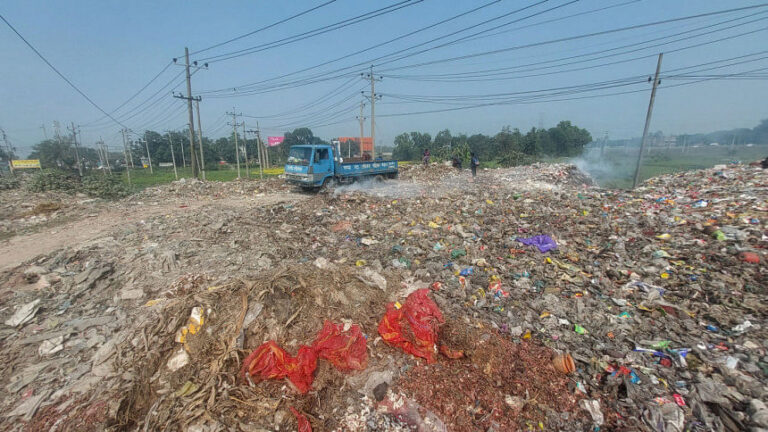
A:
<point x="105" y="150"/>
<point x="266" y="148"/>
<point x="263" y="148"/>
<point x="183" y="159"/>
<point x="245" y="152"/>
<point x="149" y="157"/>
<point x="360" y="119"/>
<point x="8" y="149"/>
<point x="259" y="145"/>
<point x="234" y="131"/>
<point x="45" y="133"/>
<point x="193" y="159"/>
<point x="200" y="137"/>
<point x="372" y="98"/>
<point x="262" y="155"/>
<point x="77" y="151"/>
<point x="647" y="121"/>
<point x="125" y="155"/>
<point x="173" y="157"/>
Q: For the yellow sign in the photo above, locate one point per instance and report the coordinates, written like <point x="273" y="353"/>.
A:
<point x="27" y="163"/>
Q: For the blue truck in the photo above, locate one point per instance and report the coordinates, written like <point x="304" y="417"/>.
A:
<point x="317" y="165"/>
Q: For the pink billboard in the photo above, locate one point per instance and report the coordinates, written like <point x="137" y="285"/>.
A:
<point x="275" y="141"/>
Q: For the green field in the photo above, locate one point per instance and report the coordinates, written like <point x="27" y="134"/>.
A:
<point x="141" y="177"/>
<point x="616" y="167"/>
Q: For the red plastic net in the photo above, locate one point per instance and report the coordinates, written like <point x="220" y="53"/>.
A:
<point x="345" y="349"/>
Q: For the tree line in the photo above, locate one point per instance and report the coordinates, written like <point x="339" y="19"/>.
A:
<point x="508" y="147"/>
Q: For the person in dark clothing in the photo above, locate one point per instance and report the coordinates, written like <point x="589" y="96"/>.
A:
<point x="456" y="162"/>
<point x="425" y="157"/>
<point x="473" y="163"/>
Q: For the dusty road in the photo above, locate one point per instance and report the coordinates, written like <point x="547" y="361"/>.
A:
<point x="19" y="249"/>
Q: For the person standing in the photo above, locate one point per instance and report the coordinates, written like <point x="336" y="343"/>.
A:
<point x="473" y="163"/>
<point x="425" y="157"/>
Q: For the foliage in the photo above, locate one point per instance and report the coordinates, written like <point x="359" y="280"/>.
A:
<point x="96" y="185"/>
<point x="107" y="187"/>
<point x="508" y="147"/>
<point x="8" y="182"/>
<point x="53" y="180"/>
<point x="515" y="158"/>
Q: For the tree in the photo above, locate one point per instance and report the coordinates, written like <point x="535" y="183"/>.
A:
<point x="403" y="147"/>
<point x="55" y="153"/>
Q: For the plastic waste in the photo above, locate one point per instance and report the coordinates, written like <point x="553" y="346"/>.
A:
<point x="592" y="406"/>
<point x="304" y="425"/>
<point x="543" y="242"/>
<point x="194" y="324"/>
<point x="564" y="363"/>
<point x="413" y="326"/>
<point x="342" y="346"/>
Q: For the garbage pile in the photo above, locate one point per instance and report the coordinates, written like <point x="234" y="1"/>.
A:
<point x="541" y="302"/>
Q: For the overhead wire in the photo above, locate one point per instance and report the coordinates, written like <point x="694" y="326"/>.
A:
<point x="491" y="71"/>
<point x="574" y="37"/>
<point x="396" y="52"/>
<point x="483" y="76"/>
<point x="311" y="33"/>
<point x="61" y="75"/>
<point x="138" y="92"/>
<point x="311" y="104"/>
<point x="267" y="27"/>
<point x="590" y="87"/>
<point x="390" y="40"/>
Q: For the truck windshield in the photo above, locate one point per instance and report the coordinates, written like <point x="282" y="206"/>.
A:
<point x="299" y="156"/>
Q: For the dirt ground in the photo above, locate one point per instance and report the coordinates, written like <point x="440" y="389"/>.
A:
<point x="657" y="294"/>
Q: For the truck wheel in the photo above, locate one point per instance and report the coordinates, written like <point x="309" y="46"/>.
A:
<point x="379" y="179"/>
<point x="327" y="185"/>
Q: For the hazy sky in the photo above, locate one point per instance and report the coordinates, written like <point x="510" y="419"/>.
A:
<point x="111" y="49"/>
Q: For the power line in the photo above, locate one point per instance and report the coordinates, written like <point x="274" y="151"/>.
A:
<point x="59" y="73"/>
<point x="484" y="74"/>
<point x="309" y="105"/>
<point x="315" y="32"/>
<point x="576" y="37"/>
<point x="303" y="82"/>
<point x="531" y="100"/>
<point x="284" y="20"/>
<point x="139" y="91"/>
<point x="386" y="42"/>
<point x="368" y="62"/>
<point x="503" y="70"/>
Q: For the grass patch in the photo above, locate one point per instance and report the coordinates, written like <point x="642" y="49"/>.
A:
<point x="141" y="177"/>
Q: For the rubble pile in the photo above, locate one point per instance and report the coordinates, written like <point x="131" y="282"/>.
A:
<point x="573" y="307"/>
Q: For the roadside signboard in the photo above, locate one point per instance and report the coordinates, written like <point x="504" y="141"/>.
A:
<point x="25" y="164"/>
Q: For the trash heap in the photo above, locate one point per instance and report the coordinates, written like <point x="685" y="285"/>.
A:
<point x="526" y="299"/>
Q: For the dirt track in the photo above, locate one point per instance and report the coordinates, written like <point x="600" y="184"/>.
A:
<point x="19" y="249"/>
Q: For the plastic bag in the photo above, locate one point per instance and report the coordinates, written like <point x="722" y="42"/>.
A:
<point x="304" y="425"/>
<point x="545" y="243"/>
<point x="346" y="350"/>
<point x="269" y="361"/>
<point x="413" y="327"/>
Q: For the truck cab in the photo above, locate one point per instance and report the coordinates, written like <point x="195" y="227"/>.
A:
<point x="310" y="165"/>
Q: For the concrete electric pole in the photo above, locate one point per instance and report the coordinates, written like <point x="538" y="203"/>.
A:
<point x="647" y="121"/>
